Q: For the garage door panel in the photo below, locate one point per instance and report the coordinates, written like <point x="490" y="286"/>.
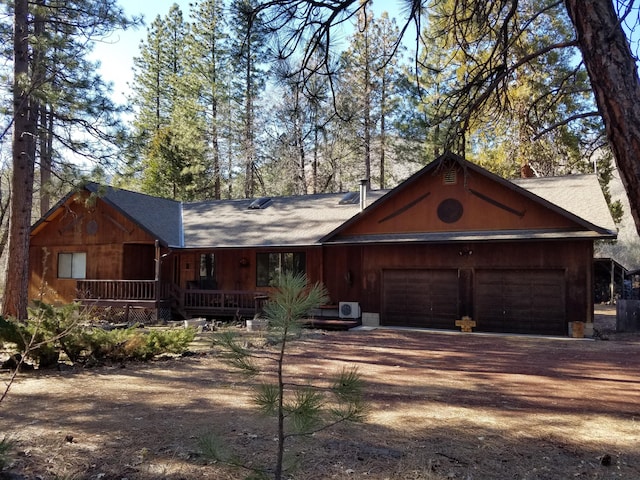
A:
<point x="522" y="301"/>
<point x="420" y="298"/>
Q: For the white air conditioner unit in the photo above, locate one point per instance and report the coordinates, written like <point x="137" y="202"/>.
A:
<point x="349" y="310"/>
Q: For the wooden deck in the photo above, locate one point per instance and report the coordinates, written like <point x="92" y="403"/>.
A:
<point x="332" y="323"/>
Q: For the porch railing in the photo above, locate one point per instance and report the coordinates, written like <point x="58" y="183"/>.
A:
<point x="223" y="300"/>
<point x="186" y="301"/>
<point x="117" y="289"/>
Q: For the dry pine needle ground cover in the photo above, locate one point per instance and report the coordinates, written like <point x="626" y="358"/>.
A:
<point x="442" y="406"/>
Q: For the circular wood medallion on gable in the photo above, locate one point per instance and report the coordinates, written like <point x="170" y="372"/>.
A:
<point x="450" y="210"/>
<point x="92" y="227"/>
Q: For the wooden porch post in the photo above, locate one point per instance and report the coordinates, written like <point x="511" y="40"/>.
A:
<point x="612" y="284"/>
<point x="157" y="273"/>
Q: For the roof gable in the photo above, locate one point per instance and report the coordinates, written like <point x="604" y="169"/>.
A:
<point x="159" y="217"/>
<point x="451" y="197"/>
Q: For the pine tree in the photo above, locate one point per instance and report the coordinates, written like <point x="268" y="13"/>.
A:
<point x="302" y="122"/>
<point x="357" y="90"/>
<point x="368" y="90"/>
<point x="525" y="122"/>
<point x="387" y="58"/>
<point x="299" y="410"/>
<point x="599" y="31"/>
<point x="613" y="75"/>
<point x="247" y="51"/>
<point x="151" y="83"/>
<point x="208" y="49"/>
<point x="169" y="129"/>
<point x="23" y="147"/>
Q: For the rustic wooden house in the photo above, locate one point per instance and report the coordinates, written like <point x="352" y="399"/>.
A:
<point x="452" y="241"/>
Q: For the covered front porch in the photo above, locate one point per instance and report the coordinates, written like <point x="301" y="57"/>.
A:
<point x="169" y="301"/>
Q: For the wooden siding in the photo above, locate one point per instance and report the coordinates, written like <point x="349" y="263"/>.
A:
<point x="138" y="261"/>
<point x="235" y="269"/>
<point x="342" y="271"/>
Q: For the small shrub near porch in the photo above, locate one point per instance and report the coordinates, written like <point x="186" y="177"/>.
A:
<point x="53" y="332"/>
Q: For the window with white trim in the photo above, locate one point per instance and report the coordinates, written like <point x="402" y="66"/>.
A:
<point x="72" y="265"/>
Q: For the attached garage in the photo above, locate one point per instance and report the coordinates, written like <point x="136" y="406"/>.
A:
<point x="456" y="241"/>
<point x="520" y="301"/>
<point x="420" y="298"/>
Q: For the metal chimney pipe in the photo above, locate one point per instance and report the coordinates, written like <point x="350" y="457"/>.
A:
<point x="363" y="193"/>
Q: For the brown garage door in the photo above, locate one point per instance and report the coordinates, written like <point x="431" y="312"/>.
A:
<point x="520" y="301"/>
<point x="420" y="298"/>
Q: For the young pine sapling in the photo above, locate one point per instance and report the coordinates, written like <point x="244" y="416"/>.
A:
<point x="300" y="410"/>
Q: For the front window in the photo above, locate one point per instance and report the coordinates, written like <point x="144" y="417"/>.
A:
<point x="270" y="266"/>
<point x="72" y="265"/>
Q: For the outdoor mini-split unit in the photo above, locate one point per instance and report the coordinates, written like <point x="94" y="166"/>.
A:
<point x="349" y="310"/>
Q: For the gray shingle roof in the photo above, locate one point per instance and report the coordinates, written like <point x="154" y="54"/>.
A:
<point x="580" y="195"/>
<point x="286" y="221"/>
<point x="306" y="219"/>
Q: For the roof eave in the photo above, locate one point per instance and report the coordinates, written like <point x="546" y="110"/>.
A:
<point x="476" y="237"/>
<point x="45" y="219"/>
<point x="251" y="246"/>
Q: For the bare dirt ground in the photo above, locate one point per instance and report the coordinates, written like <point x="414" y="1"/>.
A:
<point x="442" y="406"/>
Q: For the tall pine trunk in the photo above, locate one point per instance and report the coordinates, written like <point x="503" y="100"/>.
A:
<point x="249" y="153"/>
<point x="41" y="114"/>
<point x="23" y="146"/>
<point x="215" y="147"/>
<point x="614" y="78"/>
<point x="299" y="142"/>
<point x="367" y="105"/>
<point x="383" y="127"/>
<point x="45" y="139"/>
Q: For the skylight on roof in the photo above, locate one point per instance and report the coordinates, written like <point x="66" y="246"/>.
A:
<point x="350" y="198"/>
<point x="260" y="203"/>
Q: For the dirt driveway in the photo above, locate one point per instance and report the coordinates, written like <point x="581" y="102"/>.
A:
<point x="442" y="405"/>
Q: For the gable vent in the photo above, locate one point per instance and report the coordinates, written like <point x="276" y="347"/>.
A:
<point x="450" y="177"/>
<point x="260" y="203"/>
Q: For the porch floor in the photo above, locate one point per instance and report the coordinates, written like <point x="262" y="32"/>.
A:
<point x="332" y="323"/>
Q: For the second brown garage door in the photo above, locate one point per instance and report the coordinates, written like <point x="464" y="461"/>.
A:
<point x="520" y="301"/>
<point x="420" y="298"/>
